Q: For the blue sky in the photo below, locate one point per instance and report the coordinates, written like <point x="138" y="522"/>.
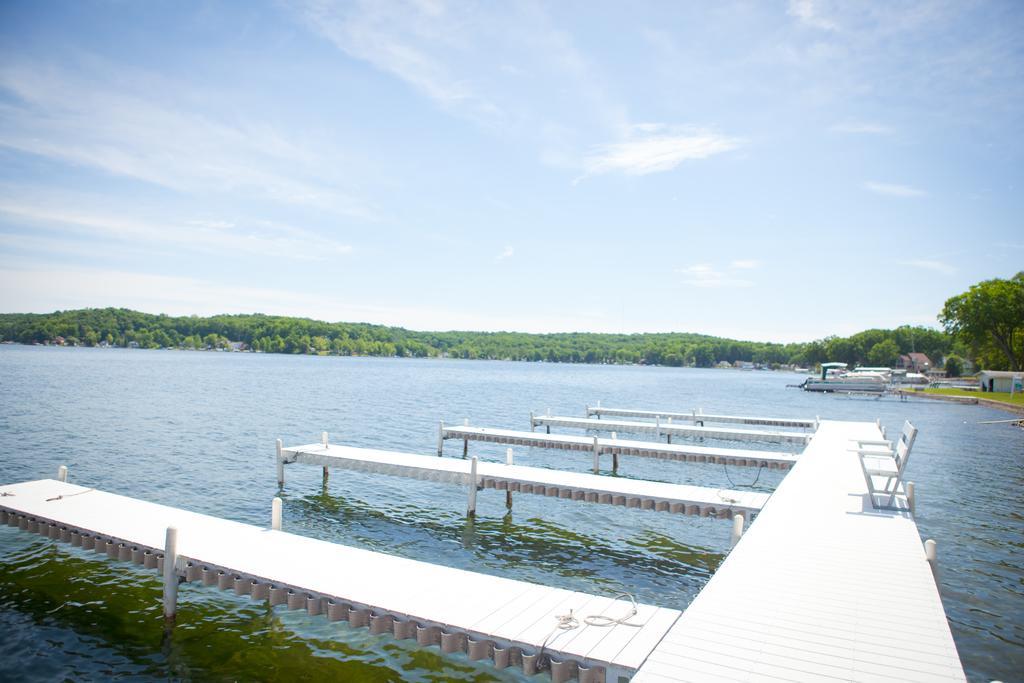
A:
<point x="760" y="170"/>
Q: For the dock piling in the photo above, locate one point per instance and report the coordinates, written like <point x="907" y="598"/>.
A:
<point x="597" y="457"/>
<point x="275" y="514"/>
<point x="508" y="492"/>
<point x="170" y="574"/>
<point x="440" y="438"/>
<point x="471" y="508"/>
<point x="533" y="423"/>
<point x="280" y="463"/>
<point x="326" y="444"/>
<point x="911" y="501"/>
<point x="62" y="473"/>
<point x="668" y="436"/>
<point x="737" y="530"/>
<point x="932" y="555"/>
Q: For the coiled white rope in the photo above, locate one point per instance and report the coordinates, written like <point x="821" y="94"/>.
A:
<point x="568" y="622"/>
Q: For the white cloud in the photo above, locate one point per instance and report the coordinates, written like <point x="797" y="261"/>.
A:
<point x="861" y="127"/>
<point x="408" y="41"/>
<point x="893" y="190"/>
<point x="706" y="276"/>
<point x="650" y="151"/>
<point x="745" y="264"/>
<point x="222" y="237"/>
<point x="135" y="125"/>
<point x="807" y="12"/>
<point x="507" y="252"/>
<point x="926" y="264"/>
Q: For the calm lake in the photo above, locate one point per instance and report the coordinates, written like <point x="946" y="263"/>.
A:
<point x="197" y="430"/>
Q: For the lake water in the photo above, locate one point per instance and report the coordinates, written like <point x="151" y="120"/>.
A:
<point x="197" y="430"/>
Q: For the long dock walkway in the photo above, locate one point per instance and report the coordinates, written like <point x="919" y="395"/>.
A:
<point x="615" y="447"/>
<point x="669" y="429"/>
<point x="512" y="623"/>
<point x="647" y="495"/>
<point x="699" y="417"/>
<point x="852" y="595"/>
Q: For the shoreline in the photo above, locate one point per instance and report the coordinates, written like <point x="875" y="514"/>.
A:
<point x="970" y="400"/>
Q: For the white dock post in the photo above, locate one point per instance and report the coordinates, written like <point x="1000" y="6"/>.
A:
<point x="910" y="497"/>
<point x="62" y="473"/>
<point x="440" y="438"/>
<point x="657" y="427"/>
<point x="737" y="530"/>
<point x="323" y="440"/>
<point x="471" y="508"/>
<point x="669" y="435"/>
<point x="170" y="574"/>
<point x="280" y="463"/>
<point x="465" y="422"/>
<point x="508" y="456"/>
<point x="597" y="457"/>
<point x="465" y="442"/>
<point x="533" y="421"/>
<point x="275" y="514"/>
<point x="931" y="554"/>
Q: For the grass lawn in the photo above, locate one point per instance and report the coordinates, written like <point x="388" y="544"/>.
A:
<point x="1017" y="400"/>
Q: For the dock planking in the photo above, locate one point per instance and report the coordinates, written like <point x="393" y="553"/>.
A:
<point x="853" y="596"/>
<point x="506" y="621"/>
<point x="699" y="417"/>
<point x="576" y="486"/>
<point x="670" y="429"/>
<point x="646" y="449"/>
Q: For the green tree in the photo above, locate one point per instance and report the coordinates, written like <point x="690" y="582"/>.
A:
<point x="954" y="366"/>
<point x="884" y="353"/>
<point x="990" y="313"/>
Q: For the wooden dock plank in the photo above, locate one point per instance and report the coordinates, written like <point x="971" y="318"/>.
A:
<point x="428" y="594"/>
<point x="739" y="457"/>
<point x="658" y="496"/>
<point x="671" y="429"/>
<point x="852" y="596"/>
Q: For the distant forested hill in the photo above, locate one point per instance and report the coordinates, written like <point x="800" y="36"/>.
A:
<point x="277" y="334"/>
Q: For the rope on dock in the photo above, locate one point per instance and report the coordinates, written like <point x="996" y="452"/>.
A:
<point x="569" y="622"/>
<point x="69" y="495"/>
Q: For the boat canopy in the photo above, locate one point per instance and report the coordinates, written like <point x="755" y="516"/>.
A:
<point x="825" y="367"/>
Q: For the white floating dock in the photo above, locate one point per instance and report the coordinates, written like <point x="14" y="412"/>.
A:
<point x="646" y="449"/>
<point x="647" y="495"/>
<point x="485" y="616"/>
<point x="699" y="417"/>
<point x="852" y="595"/>
<point x="669" y="429"/>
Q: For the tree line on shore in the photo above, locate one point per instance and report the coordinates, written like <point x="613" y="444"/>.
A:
<point x="275" y="334"/>
<point x="985" y="324"/>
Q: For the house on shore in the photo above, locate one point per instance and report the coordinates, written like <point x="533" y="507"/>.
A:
<point x="999" y="380"/>
<point x="915" y="362"/>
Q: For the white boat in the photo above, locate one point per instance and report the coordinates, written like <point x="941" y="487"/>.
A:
<point x="834" y="377"/>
